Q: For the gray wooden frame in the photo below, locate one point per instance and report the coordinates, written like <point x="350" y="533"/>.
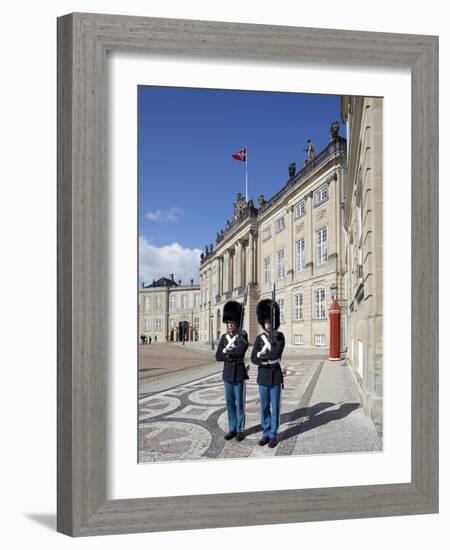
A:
<point x="83" y="40"/>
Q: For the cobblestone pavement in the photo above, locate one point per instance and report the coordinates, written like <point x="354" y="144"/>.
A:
<point x="188" y="421"/>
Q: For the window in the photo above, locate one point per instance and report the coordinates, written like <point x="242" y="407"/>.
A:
<point x="298" y="306"/>
<point x="157" y="324"/>
<point x="298" y="339"/>
<point x="319" y="339"/>
<point x="158" y="303"/>
<point x="172" y="322"/>
<point x="147" y="303"/>
<point x="267" y="233"/>
<point x="184" y="301"/>
<point x="300" y="255"/>
<point x="280" y="224"/>
<point x="319" y="303"/>
<point x="321" y="194"/>
<point x="322" y="245"/>
<point x="281" y="304"/>
<point x="300" y="208"/>
<point x="267" y="269"/>
<point x="280" y="264"/>
<point x="146" y="324"/>
<point x="173" y="301"/>
<point x="196" y="323"/>
<point x="196" y="299"/>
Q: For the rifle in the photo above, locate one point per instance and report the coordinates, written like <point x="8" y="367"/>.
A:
<point x="272" y="315"/>
<point x="241" y="320"/>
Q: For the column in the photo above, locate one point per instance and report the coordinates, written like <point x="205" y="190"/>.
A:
<point x="238" y="270"/>
<point x="226" y="268"/>
<point x="251" y="259"/>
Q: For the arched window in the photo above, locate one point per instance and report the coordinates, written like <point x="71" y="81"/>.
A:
<point x="319" y="304"/>
<point x="298" y="306"/>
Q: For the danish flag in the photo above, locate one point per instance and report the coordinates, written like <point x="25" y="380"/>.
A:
<point x="241" y="155"/>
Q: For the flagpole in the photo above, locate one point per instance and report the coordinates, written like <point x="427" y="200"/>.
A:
<point x="246" y="175"/>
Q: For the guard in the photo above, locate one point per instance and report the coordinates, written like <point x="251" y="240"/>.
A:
<point x="231" y="350"/>
<point x="267" y="351"/>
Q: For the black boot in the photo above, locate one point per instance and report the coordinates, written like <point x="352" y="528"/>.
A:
<point x="273" y="442"/>
<point x="240" y="436"/>
<point x="263" y="441"/>
<point x="230" y="435"/>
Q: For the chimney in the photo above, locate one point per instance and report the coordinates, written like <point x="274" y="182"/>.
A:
<point x="179" y="281"/>
<point x="192" y="282"/>
<point x="171" y="276"/>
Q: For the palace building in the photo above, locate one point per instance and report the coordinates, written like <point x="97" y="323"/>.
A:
<point x="292" y="240"/>
<point x="169" y="311"/>
<point x="363" y="247"/>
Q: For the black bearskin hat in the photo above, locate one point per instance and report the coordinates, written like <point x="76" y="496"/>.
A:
<point x="263" y="312"/>
<point x="232" y="312"/>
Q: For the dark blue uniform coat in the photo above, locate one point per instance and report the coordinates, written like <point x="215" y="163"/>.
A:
<point x="234" y="367"/>
<point x="269" y="374"/>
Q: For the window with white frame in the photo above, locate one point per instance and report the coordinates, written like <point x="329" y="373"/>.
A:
<point x="157" y="324"/>
<point x="281" y="304"/>
<point x="267" y="270"/>
<point x="319" y="303"/>
<point x="300" y="255"/>
<point x="147" y="303"/>
<point x="184" y="301"/>
<point x="298" y="306"/>
<point x="146" y="324"/>
<point x="196" y="299"/>
<point x="173" y="301"/>
<point x="300" y="208"/>
<point x="319" y="339"/>
<point x="321" y="194"/>
<point x="280" y="264"/>
<point x="298" y="339"/>
<point x="322" y="245"/>
<point x="158" y="303"/>
<point x="196" y="323"/>
<point x="172" y="322"/>
<point x="280" y="224"/>
<point x="267" y="233"/>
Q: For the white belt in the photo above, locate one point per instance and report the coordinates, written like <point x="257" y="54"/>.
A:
<point x="271" y="362"/>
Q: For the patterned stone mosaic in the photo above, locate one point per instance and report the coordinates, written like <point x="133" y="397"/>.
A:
<point x="189" y="421"/>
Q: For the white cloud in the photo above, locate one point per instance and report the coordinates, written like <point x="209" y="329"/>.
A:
<point x="161" y="261"/>
<point x="172" y="214"/>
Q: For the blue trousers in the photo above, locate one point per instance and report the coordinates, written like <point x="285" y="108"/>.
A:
<point x="270" y="399"/>
<point x="235" y="398"/>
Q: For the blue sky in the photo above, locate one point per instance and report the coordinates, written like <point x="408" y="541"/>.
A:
<point x="187" y="178"/>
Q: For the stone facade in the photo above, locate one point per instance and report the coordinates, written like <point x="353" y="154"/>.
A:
<point x="292" y="240"/>
<point x="362" y="244"/>
<point x="169" y="311"/>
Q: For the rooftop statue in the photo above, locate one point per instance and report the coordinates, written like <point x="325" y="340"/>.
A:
<point x="309" y="149"/>
<point x="292" y="169"/>
<point x="334" y="130"/>
<point x="261" y="200"/>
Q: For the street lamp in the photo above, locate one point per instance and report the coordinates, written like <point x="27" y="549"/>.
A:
<point x="210" y="324"/>
<point x="333" y="289"/>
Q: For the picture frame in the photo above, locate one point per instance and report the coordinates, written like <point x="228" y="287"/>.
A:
<point x="83" y="41"/>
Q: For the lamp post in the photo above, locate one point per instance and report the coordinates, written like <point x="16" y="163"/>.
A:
<point x="210" y="324"/>
<point x="334" y="312"/>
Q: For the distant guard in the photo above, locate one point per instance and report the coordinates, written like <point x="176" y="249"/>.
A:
<point x="231" y="350"/>
<point x="267" y="351"/>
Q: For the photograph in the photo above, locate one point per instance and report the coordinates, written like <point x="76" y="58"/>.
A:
<point x="260" y="292"/>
